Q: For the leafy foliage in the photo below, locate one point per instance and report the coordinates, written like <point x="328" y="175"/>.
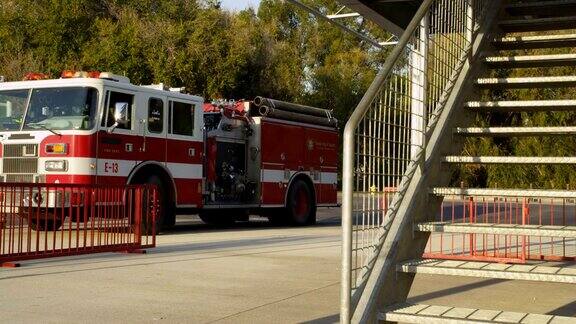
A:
<point x="538" y="176"/>
<point x="278" y="51"/>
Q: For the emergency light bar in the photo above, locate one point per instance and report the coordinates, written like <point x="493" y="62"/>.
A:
<point x="70" y="74"/>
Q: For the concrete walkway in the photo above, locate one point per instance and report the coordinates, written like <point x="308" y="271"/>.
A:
<point x="253" y="273"/>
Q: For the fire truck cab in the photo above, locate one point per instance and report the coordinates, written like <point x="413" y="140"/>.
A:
<point x="221" y="162"/>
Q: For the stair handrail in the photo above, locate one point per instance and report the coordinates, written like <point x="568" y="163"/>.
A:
<point x="348" y="155"/>
<point x="350" y="294"/>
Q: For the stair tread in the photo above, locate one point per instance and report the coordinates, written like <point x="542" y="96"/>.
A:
<point x="556" y="7"/>
<point x="533" y="20"/>
<point x="566" y="102"/>
<point x="489" y="270"/>
<point x="524" y="104"/>
<point x="524" y="193"/>
<point x="530" y="60"/>
<point x="510" y="159"/>
<point x="499" y="229"/>
<point x="540" y="3"/>
<point x="539" y="41"/>
<point x="421" y="313"/>
<point x="538" y="24"/>
<point x="564" y="80"/>
<point x="515" y="131"/>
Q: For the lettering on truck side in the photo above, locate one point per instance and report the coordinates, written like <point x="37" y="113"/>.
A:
<point x="111" y="167"/>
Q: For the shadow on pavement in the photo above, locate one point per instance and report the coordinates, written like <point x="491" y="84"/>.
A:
<point x="254" y="242"/>
<point x="187" y="224"/>
<point x="172" y="259"/>
<point x="454" y="290"/>
<point x="566" y="310"/>
<point x="325" y="320"/>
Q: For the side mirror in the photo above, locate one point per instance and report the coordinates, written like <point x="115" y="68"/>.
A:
<point x="120" y="115"/>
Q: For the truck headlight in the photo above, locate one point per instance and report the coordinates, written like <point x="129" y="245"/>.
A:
<point x="59" y="165"/>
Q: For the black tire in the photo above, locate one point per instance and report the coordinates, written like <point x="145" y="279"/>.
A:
<point x="45" y="225"/>
<point x="165" y="216"/>
<point x="78" y="215"/>
<point x="300" y="205"/>
<point x="217" y="218"/>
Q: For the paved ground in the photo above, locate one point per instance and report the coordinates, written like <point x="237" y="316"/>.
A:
<point x="253" y="273"/>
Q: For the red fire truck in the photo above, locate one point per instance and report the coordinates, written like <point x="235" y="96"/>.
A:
<point x="224" y="161"/>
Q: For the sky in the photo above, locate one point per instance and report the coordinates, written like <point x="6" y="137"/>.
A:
<point x="239" y="4"/>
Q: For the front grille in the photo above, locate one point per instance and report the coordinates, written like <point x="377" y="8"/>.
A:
<point x="20" y="150"/>
<point x="17" y="178"/>
<point x="21" y="165"/>
<point x="20" y="162"/>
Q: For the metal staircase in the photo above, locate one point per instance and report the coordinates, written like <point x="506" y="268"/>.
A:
<point x="407" y="135"/>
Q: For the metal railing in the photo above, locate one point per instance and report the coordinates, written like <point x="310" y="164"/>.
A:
<point x="385" y="137"/>
<point x="550" y="212"/>
<point x="51" y="220"/>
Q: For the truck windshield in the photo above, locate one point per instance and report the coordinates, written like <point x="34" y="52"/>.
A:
<point x="48" y="108"/>
<point x="12" y="108"/>
<point x="62" y="109"/>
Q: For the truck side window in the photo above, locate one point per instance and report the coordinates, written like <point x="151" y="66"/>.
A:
<point x="116" y="97"/>
<point x="155" y="115"/>
<point x="182" y="118"/>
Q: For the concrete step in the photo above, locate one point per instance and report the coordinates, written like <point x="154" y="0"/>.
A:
<point x="487" y="192"/>
<point x="498" y="229"/>
<point x="510" y="160"/>
<point x="420" y="313"/>
<point x="537" y="24"/>
<point x="514" y="131"/>
<point x="543" y="8"/>
<point x="529" y="105"/>
<point x="531" y="42"/>
<point x="527" y="82"/>
<point x="489" y="270"/>
<point x="530" y="61"/>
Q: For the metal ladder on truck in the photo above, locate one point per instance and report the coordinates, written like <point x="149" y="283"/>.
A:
<point x="448" y="93"/>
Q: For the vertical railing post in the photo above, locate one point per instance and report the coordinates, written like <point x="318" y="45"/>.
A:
<point x="472" y="215"/>
<point x="137" y="212"/>
<point x="525" y="220"/>
<point x="470" y="21"/>
<point x="418" y="95"/>
<point x="347" y="197"/>
<point x="154" y="213"/>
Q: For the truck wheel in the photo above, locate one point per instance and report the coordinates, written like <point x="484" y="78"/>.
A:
<point x="45" y="225"/>
<point x="300" y="207"/>
<point x="162" y="203"/>
<point x="78" y="216"/>
<point x="217" y="218"/>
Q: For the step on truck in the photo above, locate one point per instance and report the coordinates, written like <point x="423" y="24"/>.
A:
<point x="223" y="160"/>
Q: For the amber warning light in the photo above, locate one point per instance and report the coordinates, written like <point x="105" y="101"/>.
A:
<point x="56" y="148"/>
<point x="68" y="74"/>
<point x="35" y="77"/>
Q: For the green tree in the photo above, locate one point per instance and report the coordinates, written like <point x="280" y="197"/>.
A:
<point x="278" y="51"/>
